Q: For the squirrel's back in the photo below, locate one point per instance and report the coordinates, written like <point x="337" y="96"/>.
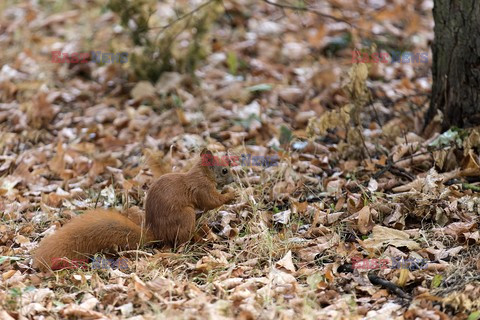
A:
<point x="164" y="203"/>
<point x="87" y="234"/>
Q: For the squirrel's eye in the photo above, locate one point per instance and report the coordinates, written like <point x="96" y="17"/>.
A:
<point x="224" y="171"/>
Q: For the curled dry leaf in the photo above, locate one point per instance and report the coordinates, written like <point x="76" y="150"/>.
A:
<point x="77" y="311"/>
<point x="365" y="221"/>
<point x="57" y="164"/>
<point x="162" y="286"/>
<point x="457" y="228"/>
<point x="396" y="218"/>
<point x="300" y="207"/>
<point x="382" y="237"/>
<point x="372" y="185"/>
<point x="142" y="90"/>
<point x="311" y="250"/>
<point x="41" y="112"/>
<point x="89" y="302"/>
<point x="283" y="189"/>
<point x="280" y="283"/>
<point x="231" y="283"/>
<point x="126" y="309"/>
<point x="282" y="217"/>
<point x="141" y="288"/>
<point x="286" y="263"/>
<point x="292" y="95"/>
<point x="208" y="263"/>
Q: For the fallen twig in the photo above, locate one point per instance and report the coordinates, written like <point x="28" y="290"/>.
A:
<point x="390" y="286"/>
<point x="291" y="7"/>
<point x="468" y="186"/>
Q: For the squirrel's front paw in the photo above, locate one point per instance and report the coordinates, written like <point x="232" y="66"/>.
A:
<point x="230" y="196"/>
<point x="227" y="189"/>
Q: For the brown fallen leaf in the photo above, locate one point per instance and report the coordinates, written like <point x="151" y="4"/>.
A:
<point x="57" y="163"/>
<point x="365" y="221"/>
<point x="382" y="237"/>
<point x="141" y="288"/>
<point x="77" y="311"/>
<point x="286" y="263"/>
<point x="142" y="90"/>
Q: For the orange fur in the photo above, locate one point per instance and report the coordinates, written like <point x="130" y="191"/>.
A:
<point x="173" y="198"/>
<point x="94" y="231"/>
<point x="170" y="217"/>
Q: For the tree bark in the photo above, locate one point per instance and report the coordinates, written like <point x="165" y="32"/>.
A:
<point x="456" y="63"/>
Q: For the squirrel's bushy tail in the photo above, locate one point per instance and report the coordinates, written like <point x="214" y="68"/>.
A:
<point x="92" y="232"/>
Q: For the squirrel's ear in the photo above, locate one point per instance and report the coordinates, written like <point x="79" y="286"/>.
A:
<point x="228" y="158"/>
<point x="206" y="151"/>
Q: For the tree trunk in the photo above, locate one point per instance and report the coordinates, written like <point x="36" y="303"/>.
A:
<point x="456" y="63"/>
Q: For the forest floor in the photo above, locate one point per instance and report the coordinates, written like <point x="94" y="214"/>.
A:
<point x="358" y="177"/>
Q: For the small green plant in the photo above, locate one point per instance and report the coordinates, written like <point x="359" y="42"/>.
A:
<point x="158" y="48"/>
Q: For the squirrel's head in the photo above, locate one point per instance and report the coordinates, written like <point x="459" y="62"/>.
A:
<point x="219" y="167"/>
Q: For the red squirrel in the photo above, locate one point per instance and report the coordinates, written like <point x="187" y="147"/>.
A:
<point x="170" y="217"/>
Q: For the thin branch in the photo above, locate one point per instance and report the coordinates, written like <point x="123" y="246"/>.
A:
<point x="137" y="252"/>
<point x="186" y="15"/>
<point x="288" y="6"/>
